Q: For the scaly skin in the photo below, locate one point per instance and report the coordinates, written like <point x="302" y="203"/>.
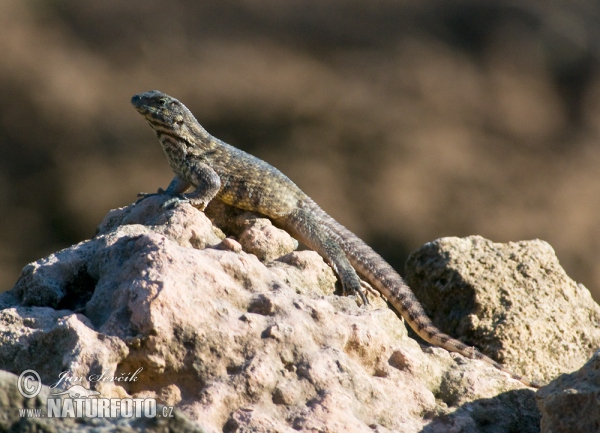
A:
<point x="217" y="170"/>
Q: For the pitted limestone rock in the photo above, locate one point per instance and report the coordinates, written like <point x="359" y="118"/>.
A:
<point x="514" y="301"/>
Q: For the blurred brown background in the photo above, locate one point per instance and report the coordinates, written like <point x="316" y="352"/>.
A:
<point x="407" y="122"/>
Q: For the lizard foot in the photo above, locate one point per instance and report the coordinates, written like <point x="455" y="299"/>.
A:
<point x="174" y="201"/>
<point x="171" y="202"/>
<point x="356" y="291"/>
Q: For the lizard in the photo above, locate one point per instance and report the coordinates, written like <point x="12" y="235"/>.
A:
<point x="217" y="170"/>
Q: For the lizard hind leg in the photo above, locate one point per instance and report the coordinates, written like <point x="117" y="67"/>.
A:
<point x="306" y="228"/>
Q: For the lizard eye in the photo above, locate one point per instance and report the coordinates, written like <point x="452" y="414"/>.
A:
<point x="162" y="102"/>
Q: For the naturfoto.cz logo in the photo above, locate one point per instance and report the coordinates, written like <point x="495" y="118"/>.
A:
<point x="78" y="401"/>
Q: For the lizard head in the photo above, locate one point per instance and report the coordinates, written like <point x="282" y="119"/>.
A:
<point x="164" y="113"/>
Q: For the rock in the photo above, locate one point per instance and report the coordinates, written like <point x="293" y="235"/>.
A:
<point x="27" y="333"/>
<point x="265" y="241"/>
<point x="183" y="225"/>
<point x="241" y="344"/>
<point x="570" y="403"/>
<point x="513" y="301"/>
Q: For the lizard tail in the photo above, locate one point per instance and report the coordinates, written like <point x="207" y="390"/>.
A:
<point x="390" y="284"/>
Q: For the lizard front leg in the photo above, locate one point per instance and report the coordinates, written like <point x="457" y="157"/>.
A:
<point x="207" y="182"/>
<point x="201" y="175"/>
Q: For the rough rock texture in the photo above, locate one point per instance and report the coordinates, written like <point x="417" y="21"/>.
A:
<point x="513" y="301"/>
<point x="239" y="344"/>
<point x="571" y="403"/>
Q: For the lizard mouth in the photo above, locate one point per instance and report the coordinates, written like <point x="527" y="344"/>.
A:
<point x="139" y="103"/>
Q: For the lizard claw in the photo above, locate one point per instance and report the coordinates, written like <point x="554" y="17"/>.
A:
<point x="356" y="291"/>
<point x="369" y="289"/>
<point x="363" y="298"/>
<point x="171" y="202"/>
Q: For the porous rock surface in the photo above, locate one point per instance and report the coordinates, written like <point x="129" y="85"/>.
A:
<point x="571" y="402"/>
<point x="238" y="344"/>
<point x="513" y="301"/>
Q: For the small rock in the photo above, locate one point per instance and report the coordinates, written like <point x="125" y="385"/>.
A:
<point x="512" y="301"/>
<point x="571" y="402"/>
<point x="266" y="241"/>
